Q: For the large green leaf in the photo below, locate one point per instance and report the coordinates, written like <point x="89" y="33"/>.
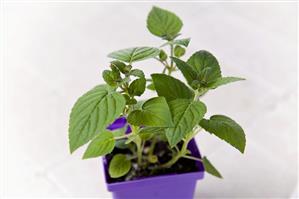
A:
<point x="171" y="88"/>
<point x="210" y="168"/>
<point x="226" y="129"/>
<point x="206" y="67"/>
<point x="163" y="23"/>
<point x="187" y="70"/>
<point x="119" y="166"/>
<point x="130" y="55"/>
<point x="224" y="80"/>
<point x="102" y="144"/>
<point x="92" y="113"/>
<point x="186" y="114"/>
<point x="154" y="112"/>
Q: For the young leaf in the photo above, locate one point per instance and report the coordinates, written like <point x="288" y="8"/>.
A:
<point x="171" y="88"/>
<point x="224" y="80"/>
<point x="130" y="55"/>
<point x="92" y="113"/>
<point x="186" y="114"/>
<point x="137" y="73"/>
<point x="210" y="168"/>
<point x="110" y="77"/>
<point x="206" y="67"/>
<point x="102" y="144"/>
<point x="163" y="23"/>
<point x="119" y="166"/>
<point x="187" y="70"/>
<point x="122" y="67"/>
<point x="155" y="112"/>
<point x="162" y="55"/>
<point x="179" y="51"/>
<point x="137" y="87"/>
<point x="226" y="129"/>
<point x="181" y="42"/>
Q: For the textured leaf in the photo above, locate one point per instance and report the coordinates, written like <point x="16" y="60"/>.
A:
<point x="185" y="114"/>
<point x="224" y="80"/>
<point x="187" y="70"/>
<point x="102" y="144"/>
<point x="226" y="129"/>
<point x="155" y="112"/>
<point x="137" y="87"/>
<point x="92" y="113"/>
<point x="171" y="88"/>
<point x="163" y="23"/>
<point x="147" y="133"/>
<point x="130" y="55"/>
<point x="210" y="168"/>
<point x="122" y="67"/>
<point x="111" y="77"/>
<point x="119" y="166"/>
<point x="181" y="42"/>
<point x="206" y="66"/>
<point x="137" y="73"/>
<point x="179" y="51"/>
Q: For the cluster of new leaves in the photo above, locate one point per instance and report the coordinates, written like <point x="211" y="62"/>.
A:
<point x="174" y="114"/>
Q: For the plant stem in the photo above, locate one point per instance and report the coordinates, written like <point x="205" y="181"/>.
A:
<point x="180" y="154"/>
<point x="122" y="137"/>
<point x="139" y="153"/>
<point x="152" y="147"/>
<point x="192" y="158"/>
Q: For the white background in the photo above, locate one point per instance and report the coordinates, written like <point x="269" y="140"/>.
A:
<point x="54" y="52"/>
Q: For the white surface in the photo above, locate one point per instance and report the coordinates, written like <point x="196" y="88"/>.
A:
<point x="56" y="51"/>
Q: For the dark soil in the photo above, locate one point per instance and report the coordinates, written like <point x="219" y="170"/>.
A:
<point x="164" y="154"/>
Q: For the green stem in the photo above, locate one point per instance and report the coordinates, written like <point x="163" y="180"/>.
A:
<point x="139" y="153"/>
<point x="152" y="147"/>
<point x="122" y="137"/>
<point x="192" y="158"/>
<point x="180" y="154"/>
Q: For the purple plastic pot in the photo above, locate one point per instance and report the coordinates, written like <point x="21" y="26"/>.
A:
<point x="171" y="186"/>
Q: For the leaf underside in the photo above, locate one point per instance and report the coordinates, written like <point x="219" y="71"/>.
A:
<point x="226" y="129"/>
<point x="130" y="55"/>
<point x="119" y="166"/>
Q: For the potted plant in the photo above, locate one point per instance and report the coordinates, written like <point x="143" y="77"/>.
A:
<point x="148" y="146"/>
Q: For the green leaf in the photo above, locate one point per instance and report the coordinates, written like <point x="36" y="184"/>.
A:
<point x="224" y="80"/>
<point x="155" y="112"/>
<point x="130" y="55"/>
<point x="210" y="168"/>
<point x="163" y="23"/>
<point x="110" y="77"/>
<point x="186" y="114"/>
<point x="102" y="144"/>
<point x="181" y="42"/>
<point x="171" y="88"/>
<point x="137" y="73"/>
<point x="206" y="66"/>
<point x="226" y="129"/>
<point x="162" y="55"/>
<point x="147" y="133"/>
<point x="92" y="113"/>
<point x="151" y="86"/>
<point x="122" y="67"/>
<point x="119" y="166"/>
<point x="179" y="51"/>
<point x="187" y="70"/>
<point x="137" y="87"/>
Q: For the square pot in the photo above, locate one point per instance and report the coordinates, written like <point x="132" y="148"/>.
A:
<point x="169" y="186"/>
